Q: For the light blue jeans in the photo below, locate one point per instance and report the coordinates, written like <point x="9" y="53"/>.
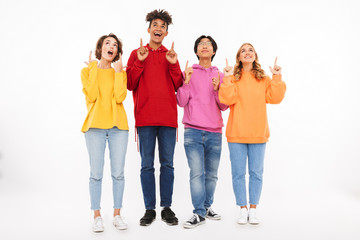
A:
<point x="239" y="153"/>
<point x="203" y="150"/>
<point x="96" y="142"/>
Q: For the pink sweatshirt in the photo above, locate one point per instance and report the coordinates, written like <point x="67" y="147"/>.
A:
<point x="200" y="102"/>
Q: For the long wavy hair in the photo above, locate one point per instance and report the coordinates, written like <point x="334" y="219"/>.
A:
<point x="257" y="71"/>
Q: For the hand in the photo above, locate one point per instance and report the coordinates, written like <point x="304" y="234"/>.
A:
<point x="171" y="55"/>
<point x="118" y="65"/>
<point x="228" y="70"/>
<point x="90" y="59"/>
<point x="188" y="72"/>
<point x="215" y="82"/>
<point x="142" y="52"/>
<point x="276" y="70"/>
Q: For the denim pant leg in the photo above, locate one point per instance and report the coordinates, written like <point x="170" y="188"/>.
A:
<point x="96" y="143"/>
<point x="147" y="140"/>
<point x="166" y="142"/>
<point x="118" y="140"/>
<point x="213" y="143"/>
<point x="238" y="156"/>
<point x="256" y="153"/>
<point x="194" y="148"/>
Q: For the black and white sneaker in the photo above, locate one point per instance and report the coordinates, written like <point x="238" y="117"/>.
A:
<point x="212" y="215"/>
<point x="194" y="221"/>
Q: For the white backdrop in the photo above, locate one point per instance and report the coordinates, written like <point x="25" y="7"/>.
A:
<point x="312" y="165"/>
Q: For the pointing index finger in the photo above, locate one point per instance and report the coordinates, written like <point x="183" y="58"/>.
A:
<point x="275" y="61"/>
<point x="172" y="46"/>
<point x="141" y="43"/>
<point x="186" y="66"/>
<point x="227" y="63"/>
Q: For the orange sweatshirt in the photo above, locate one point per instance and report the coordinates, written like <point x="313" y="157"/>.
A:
<point x="247" y="99"/>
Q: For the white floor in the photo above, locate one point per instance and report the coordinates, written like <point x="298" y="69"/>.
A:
<point x="61" y="212"/>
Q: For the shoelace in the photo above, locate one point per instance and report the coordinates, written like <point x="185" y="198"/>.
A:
<point x="193" y="218"/>
<point x="98" y="222"/>
<point x="169" y="212"/>
<point x="211" y="211"/>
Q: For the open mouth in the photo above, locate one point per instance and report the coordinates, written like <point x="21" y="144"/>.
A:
<point x="110" y="53"/>
<point x="157" y="34"/>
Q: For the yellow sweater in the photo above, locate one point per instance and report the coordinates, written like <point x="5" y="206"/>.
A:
<point x="104" y="90"/>
<point x="247" y="99"/>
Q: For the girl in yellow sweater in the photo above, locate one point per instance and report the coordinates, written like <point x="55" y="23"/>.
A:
<point x="105" y="89"/>
<point x="247" y="90"/>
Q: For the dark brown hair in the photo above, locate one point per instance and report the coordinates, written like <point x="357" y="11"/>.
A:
<point x="159" y="14"/>
<point x="100" y="43"/>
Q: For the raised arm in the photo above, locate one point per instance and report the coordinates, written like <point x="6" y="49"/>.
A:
<point x="120" y="83"/>
<point x="183" y="92"/>
<point x="88" y="80"/>
<point x="227" y="91"/>
<point x="275" y="88"/>
<point x="135" y="66"/>
<point x="174" y="68"/>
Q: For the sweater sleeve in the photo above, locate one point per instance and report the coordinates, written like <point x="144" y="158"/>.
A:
<point x="89" y="83"/>
<point x="221" y="106"/>
<point x="275" y="89"/>
<point x="183" y="94"/>
<point x="134" y="69"/>
<point x="227" y="91"/>
<point x="120" y="83"/>
<point x="176" y="76"/>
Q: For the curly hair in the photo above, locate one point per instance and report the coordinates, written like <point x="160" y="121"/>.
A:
<point x="100" y="43"/>
<point x="257" y="71"/>
<point x="159" y="14"/>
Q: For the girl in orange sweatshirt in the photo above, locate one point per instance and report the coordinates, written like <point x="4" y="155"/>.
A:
<point x="247" y="90"/>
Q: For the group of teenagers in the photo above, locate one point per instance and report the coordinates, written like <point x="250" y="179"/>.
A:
<point x="158" y="85"/>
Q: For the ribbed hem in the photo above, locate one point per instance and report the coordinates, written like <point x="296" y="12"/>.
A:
<point x="247" y="139"/>
<point x="216" y="130"/>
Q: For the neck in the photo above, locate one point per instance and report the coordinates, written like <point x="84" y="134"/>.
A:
<point x="104" y="64"/>
<point x="247" y="67"/>
<point x="154" y="45"/>
<point x="205" y="62"/>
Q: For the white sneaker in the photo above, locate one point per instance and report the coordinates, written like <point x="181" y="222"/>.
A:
<point x="120" y="223"/>
<point x="98" y="225"/>
<point x="252" y="216"/>
<point x="243" y="218"/>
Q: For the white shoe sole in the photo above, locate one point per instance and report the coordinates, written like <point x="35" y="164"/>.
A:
<point x="120" y="227"/>
<point x="97" y="230"/>
<point x="193" y="226"/>
<point x="213" y="218"/>
<point x="254" y="223"/>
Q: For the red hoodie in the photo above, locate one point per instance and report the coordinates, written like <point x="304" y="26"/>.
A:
<point x="154" y="83"/>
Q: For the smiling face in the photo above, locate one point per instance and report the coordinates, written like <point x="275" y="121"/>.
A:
<point x="157" y="30"/>
<point x="205" y="49"/>
<point x="247" y="54"/>
<point x="109" y="49"/>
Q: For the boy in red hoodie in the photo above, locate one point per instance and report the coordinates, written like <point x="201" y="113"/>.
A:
<point x="154" y="75"/>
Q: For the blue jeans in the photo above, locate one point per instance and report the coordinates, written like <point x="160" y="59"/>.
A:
<point x="96" y="142"/>
<point x="166" y="137"/>
<point x="203" y="150"/>
<point x="239" y="153"/>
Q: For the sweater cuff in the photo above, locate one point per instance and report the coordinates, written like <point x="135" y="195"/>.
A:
<point x="276" y="77"/>
<point x="139" y="63"/>
<point x="92" y="64"/>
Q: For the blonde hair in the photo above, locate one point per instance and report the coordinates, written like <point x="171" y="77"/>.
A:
<point x="256" y="67"/>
